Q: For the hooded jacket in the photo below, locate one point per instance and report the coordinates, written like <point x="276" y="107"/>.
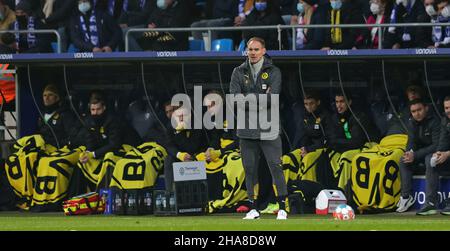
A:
<point x="242" y="83"/>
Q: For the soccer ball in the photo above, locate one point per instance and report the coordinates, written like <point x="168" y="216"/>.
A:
<point x="343" y="212"/>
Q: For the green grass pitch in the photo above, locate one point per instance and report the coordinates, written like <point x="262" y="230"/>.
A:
<point x="18" y="221"/>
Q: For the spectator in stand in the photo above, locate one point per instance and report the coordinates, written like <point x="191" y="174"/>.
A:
<point x="135" y="15"/>
<point x="94" y="30"/>
<point x="286" y="9"/>
<point x="112" y="7"/>
<point x="8" y="43"/>
<point x="169" y="14"/>
<point x="265" y="13"/>
<point x="423" y="139"/>
<point x="439" y="12"/>
<point x="407" y="11"/>
<point x="55" y="14"/>
<point x="309" y="12"/>
<point x="223" y="14"/>
<point x="245" y="7"/>
<point x="26" y="20"/>
<point x="7" y="16"/>
<point x="342" y="12"/>
<point x="380" y="13"/>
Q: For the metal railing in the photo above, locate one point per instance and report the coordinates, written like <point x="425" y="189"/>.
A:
<point x="279" y="29"/>
<point x="49" y="31"/>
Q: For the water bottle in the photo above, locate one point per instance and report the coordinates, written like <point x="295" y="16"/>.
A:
<point x="172" y="202"/>
<point x="164" y="205"/>
<point x="117" y="203"/>
<point x="158" y="202"/>
<point x="131" y="202"/>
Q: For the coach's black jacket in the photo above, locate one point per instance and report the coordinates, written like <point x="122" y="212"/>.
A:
<point x="444" y="138"/>
<point x="316" y="130"/>
<point x="423" y="136"/>
<point x="102" y="136"/>
<point x="62" y="124"/>
<point x="189" y="141"/>
<point x="340" y="143"/>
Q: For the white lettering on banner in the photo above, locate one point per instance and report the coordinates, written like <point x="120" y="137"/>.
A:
<point x="6" y="56"/>
<point x="420" y="197"/>
<point x="425" y="51"/>
<point x="83" y="55"/>
<point x="337" y="52"/>
<point x="166" y="54"/>
<point x="244" y="53"/>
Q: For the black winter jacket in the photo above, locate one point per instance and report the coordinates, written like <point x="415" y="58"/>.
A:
<point x="423" y="137"/>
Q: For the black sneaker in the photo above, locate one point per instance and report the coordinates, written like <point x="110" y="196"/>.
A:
<point x="427" y="209"/>
<point x="446" y="210"/>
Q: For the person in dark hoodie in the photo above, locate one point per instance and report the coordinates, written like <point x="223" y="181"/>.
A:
<point x="309" y="12"/>
<point x="423" y="139"/>
<point x="168" y="14"/>
<point x="265" y="13"/>
<point x="26" y="20"/>
<point x="102" y="132"/>
<point x="182" y="143"/>
<point x="8" y="43"/>
<point x="407" y="11"/>
<point x="59" y="125"/>
<point x="342" y="12"/>
<point x="93" y="30"/>
<point x="351" y="131"/>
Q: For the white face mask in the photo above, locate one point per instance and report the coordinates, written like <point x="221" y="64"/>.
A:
<point x="430" y="10"/>
<point x="84" y="7"/>
<point x="375" y="8"/>
<point x="446" y="11"/>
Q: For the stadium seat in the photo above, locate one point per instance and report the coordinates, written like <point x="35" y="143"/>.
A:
<point x="242" y="46"/>
<point x="72" y="49"/>
<point x="54" y="47"/>
<point x="196" y="45"/>
<point x="225" y="44"/>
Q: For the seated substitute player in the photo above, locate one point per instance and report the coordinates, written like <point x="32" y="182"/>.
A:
<point x="423" y="138"/>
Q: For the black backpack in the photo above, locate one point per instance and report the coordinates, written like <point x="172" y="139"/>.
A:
<point x="302" y="196"/>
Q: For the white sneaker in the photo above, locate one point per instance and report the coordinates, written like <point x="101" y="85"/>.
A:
<point x="252" y="215"/>
<point x="282" y="215"/>
<point x="404" y="204"/>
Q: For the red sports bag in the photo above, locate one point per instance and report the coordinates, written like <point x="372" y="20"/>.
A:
<point x="88" y="203"/>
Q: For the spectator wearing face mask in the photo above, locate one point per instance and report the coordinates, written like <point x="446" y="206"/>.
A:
<point x="380" y="12"/>
<point x="309" y="12"/>
<point x="407" y="11"/>
<point x="7" y="16"/>
<point x="439" y="12"/>
<point x="265" y="13"/>
<point x="93" y="30"/>
<point x="168" y="14"/>
<point x="26" y="20"/>
<point x="343" y="12"/>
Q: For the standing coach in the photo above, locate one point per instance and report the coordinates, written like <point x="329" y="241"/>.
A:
<point x="257" y="75"/>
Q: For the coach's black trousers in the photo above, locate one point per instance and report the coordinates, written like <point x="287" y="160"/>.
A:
<point x="251" y="152"/>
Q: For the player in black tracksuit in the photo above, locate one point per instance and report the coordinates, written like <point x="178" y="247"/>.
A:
<point x="59" y="126"/>
<point x="182" y="145"/>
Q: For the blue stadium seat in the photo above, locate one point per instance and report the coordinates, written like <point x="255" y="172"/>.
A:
<point x="242" y="46"/>
<point x="225" y="44"/>
<point x="196" y="45"/>
<point x="54" y="46"/>
<point x="72" y="49"/>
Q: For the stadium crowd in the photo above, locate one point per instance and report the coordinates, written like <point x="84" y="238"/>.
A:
<point x="100" y="25"/>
